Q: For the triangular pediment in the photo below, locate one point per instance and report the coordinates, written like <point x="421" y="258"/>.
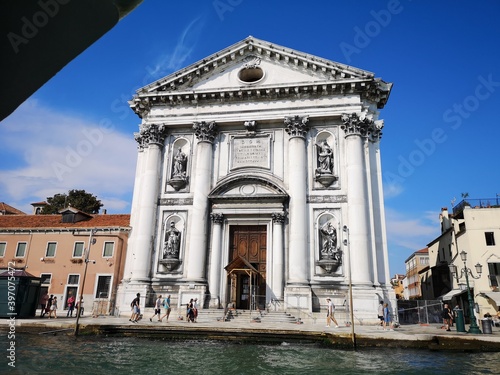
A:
<point x="256" y="68"/>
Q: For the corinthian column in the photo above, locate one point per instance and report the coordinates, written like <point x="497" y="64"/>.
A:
<point x="297" y="128"/>
<point x="150" y="138"/>
<point x="356" y="129"/>
<point x="278" y="267"/>
<point x="215" y="263"/>
<point x="205" y="133"/>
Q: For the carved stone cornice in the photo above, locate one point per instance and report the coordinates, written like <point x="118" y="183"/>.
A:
<point x="361" y="125"/>
<point x="217" y="218"/>
<point x="278" y="217"/>
<point x="296" y="126"/>
<point x="205" y="131"/>
<point x="151" y="134"/>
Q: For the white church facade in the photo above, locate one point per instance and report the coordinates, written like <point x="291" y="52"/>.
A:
<point x="259" y="182"/>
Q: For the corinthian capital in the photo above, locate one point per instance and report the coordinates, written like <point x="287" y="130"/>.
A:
<point x="296" y="126"/>
<point x="278" y="217"/>
<point x="361" y="125"/>
<point x="151" y="134"/>
<point x="205" y="131"/>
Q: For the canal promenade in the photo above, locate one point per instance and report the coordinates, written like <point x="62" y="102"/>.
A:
<point x="242" y="329"/>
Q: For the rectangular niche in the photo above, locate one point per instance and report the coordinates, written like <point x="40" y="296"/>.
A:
<point x="250" y="152"/>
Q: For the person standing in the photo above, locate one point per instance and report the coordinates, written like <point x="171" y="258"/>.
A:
<point x="330" y="314"/>
<point x="71" y="306"/>
<point x="447" y="316"/>
<point x="195" y="310"/>
<point x="381" y="312"/>
<point x="157" y="309"/>
<point x="48" y="305"/>
<point x="387" y="318"/>
<point x="166" y="306"/>
<point x="43" y="304"/>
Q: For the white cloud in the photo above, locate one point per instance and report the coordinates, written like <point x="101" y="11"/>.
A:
<point x="186" y="43"/>
<point x="55" y="152"/>
<point x="411" y="232"/>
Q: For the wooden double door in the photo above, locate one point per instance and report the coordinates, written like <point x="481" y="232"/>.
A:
<point x="248" y="279"/>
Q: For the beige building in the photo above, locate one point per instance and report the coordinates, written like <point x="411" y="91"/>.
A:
<point x="56" y="247"/>
<point x="473" y="228"/>
<point x="414" y="264"/>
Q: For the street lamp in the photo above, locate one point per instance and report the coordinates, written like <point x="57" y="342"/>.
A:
<point x="351" y="307"/>
<point x="474" y="328"/>
<point x="92" y="241"/>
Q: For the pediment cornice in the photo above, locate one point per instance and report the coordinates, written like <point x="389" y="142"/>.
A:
<point x="330" y="78"/>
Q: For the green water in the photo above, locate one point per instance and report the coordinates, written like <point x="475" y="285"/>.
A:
<point x="42" y="354"/>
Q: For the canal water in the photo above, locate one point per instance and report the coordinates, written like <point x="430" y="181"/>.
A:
<point x="42" y="354"/>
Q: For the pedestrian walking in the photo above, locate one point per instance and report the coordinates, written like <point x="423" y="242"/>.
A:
<point x="136" y="310"/>
<point x="71" y="306"/>
<point x="381" y="312"/>
<point x="166" y="306"/>
<point x="53" y="308"/>
<point x="330" y="314"/>
<point x="447" y="316"/>
<point x="157" y="309"/>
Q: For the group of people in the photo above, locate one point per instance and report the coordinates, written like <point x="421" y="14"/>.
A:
<point x="384" y="315"/>
<point x="49" y="305"/>
<point x="192" y="310"/>
<point x="159" y="304"/>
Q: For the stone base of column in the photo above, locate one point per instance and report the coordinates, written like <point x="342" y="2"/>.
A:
<point x="298" y="300"/>
<point x="192" y="291"/>
<point x="366" y="301"/>
<point x="127" y="291"/>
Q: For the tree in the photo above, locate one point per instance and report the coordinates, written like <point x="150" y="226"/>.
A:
<point x="79" y="199"/>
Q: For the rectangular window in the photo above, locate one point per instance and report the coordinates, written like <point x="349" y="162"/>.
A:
<point x="108" y="249"/>
<point x="45" y="278"/>
<point x="494" y="273"/>
<point x="51" y="250"/>
<point x="78" y="250"/>
<point x="3" y="245"/>
<point x="21" y="250"/>
<point x="73" y="279"/>
<point x="490" y="238"/>
<point x="103" y="287"/>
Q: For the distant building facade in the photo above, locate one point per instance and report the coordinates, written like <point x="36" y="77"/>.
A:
<point x="259" y="181"/>
<point x="54" y="247"/>
<point x="472" y="227"/>
<point x="414" y="264"/>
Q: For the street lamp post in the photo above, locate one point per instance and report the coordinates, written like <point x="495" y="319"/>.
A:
<point x="351" y="307"/>
<point x="92" y="241"/>
<point x="473" y="328"/>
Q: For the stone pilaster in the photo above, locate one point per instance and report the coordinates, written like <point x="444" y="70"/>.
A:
<point x="215" y="260"/>
<point x="297" y="128"/>
<point x="278" y="255"/>
<point x="205" y="133"/>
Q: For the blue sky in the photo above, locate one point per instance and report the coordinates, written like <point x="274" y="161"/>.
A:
<point x="441" y="127"/>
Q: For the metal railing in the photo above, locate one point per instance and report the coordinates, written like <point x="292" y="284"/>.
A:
<point x="419" y="312"/>
<point x="476" y="203"/>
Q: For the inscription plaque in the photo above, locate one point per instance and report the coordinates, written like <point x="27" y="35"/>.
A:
<point x="250" y="152"/>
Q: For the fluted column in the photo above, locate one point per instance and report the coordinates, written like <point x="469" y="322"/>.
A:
<point x="298" y="264"/>
<point x="205" y="133"/>
<point x="356" y="129"/>
<point x="278" y="266"/>
<point x="215" y="259"/>
<point x="151" y="139"/>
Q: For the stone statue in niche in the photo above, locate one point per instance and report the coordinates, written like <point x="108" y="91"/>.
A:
<point x="172" y="242"/>
<point x="329" y="243"/>
<point x="324" y="171"/>
<point x="179" y="174"/>
<point x="330" y="254"/>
